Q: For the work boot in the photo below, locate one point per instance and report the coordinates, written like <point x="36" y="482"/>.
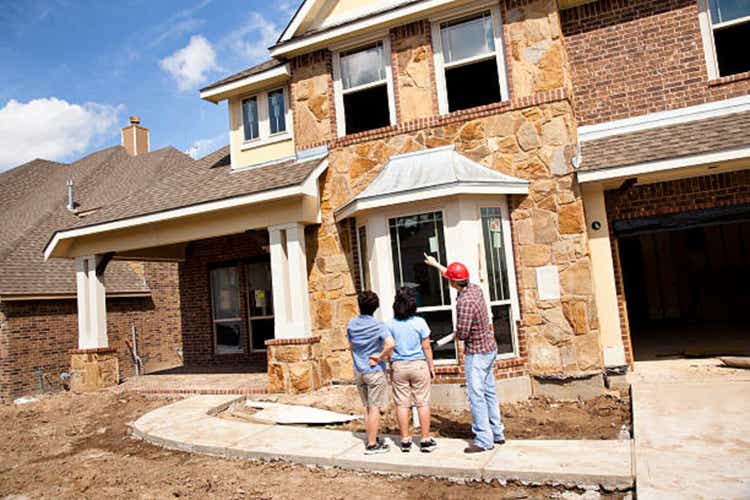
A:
<point x="472" y="448"/>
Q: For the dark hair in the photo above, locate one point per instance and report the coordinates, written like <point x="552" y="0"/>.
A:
<point x="368" y="302"/>
<point x="463" y="283"/>
<point x="405" y="303"/>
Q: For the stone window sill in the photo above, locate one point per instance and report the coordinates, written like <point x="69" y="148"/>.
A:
<point x="724" y="80"/>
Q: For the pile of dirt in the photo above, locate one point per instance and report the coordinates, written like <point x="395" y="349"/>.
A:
<point x="604" y="417"/>
<point x="79" y="446"/>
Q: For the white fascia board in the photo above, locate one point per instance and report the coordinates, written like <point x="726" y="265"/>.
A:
<point x="659" y="119"/>
<point x="359" y="205"/>
<point x="215" y="94"/>
<point x="299" y="16"/>
<point x="291" y="45"/>
<point x="301" y="189"/>
<point x="603" y="174"/>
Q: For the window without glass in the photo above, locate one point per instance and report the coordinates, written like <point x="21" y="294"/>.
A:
<point x="250" y="120"/>
<point x="730" y="24"/>
<point x="497" y="274"/>
<point x="470" y="62"/>
<point x="364" y="89"/>
<point x="276" y="112"/>
<point x="411" y="238"/>
<point x="225" y="299"/>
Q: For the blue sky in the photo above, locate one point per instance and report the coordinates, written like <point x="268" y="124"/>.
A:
<point x="74" y="70"/>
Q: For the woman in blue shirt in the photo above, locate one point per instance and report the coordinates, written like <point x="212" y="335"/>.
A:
<point x="413" y="368"/>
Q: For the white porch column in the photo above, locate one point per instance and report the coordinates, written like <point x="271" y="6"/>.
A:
<point x="603" y="273"/>
<point x="381" y="268"/>
<point x="289" y="270"/>
<point x="92" y="307"/>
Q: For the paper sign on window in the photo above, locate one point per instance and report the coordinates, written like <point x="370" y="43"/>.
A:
<point x="433" y="244"/>
<point x="260" y="299"/>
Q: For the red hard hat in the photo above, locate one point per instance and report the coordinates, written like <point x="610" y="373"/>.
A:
<point x="456" y="272"/>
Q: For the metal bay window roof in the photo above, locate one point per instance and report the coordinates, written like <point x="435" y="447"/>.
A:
<point x="431" y="173"/>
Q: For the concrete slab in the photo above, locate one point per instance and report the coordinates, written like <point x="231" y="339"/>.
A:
<point x="448" y="460"/>
<point x="606" y="463"/>
<point x="691" y="432"/>
<point x="209" y="435"/>
<point x="454" y="395"/>
<point x="298" y="444"/>
<point x="570" y="389"/>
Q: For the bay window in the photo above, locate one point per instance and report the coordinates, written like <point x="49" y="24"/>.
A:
<point x="469" y="60"/>
<point x="497" y="278"/>
<point x="363" y="88"/>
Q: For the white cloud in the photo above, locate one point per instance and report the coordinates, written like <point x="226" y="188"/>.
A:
<point x="52" y="129"/>
<point x="191" y="65"/>
<point x="251" y="40"/>
<point x="202" y="147"/>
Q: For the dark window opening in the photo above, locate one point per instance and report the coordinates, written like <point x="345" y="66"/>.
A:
<point x="731" y="49"/>
<point x="472" y="85"/>
<point x="367" y="109"/>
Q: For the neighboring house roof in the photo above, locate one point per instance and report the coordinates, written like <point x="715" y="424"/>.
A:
<point x="674" y="141"/>
<point x="430" y="173"/>
<point x="33" y="198"/>
<point x="253" y="70"/>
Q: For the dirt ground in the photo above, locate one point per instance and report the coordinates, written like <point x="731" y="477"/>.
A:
<point x="537" y="418"/>
<point x="78" y="446"/>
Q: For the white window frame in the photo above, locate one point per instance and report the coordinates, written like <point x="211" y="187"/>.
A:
<point x="250" y="317"/>
<point x="707" y="36"/>
<point x="437" y="49"/>
<point x="215" y="321"/>
<point x="363" y="263"/>
<point x="338" y="87"/>
<point x="264" y="125"/>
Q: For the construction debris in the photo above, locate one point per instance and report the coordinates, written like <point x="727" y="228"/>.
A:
<point x="276" y="413"/>
<point x="736" y="361"/>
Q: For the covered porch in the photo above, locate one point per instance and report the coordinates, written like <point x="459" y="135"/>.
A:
<point x="243" y="277"/>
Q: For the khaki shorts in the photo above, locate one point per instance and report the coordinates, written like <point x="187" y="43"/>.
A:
<point x="373" y="389"/>
<point x="411" y="383"/>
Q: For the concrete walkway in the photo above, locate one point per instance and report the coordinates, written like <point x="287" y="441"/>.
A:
<point x="692" y="430"/>
<point x="191" y="425"/>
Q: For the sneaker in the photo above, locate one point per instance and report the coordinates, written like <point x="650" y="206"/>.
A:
<point x="406" y="446"/>
<point x="500" y="441"/>
<point x="380" y="446"/>
<point x="427" y="445"/>
<point x="472" y="448"/>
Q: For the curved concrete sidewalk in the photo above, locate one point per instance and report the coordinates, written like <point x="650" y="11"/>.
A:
<point x="191" y="425"/>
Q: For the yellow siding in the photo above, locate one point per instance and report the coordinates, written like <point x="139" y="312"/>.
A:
<point x="244" y="156"/>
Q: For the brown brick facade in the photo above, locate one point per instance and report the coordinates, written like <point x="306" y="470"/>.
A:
<point x="41" y="333"/>
<point x="630" y="57"/>
<point x="195" y="297"/>
<point x="695" y="193"/>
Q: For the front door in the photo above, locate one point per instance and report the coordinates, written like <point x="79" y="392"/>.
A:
<point x="260" y="304"/>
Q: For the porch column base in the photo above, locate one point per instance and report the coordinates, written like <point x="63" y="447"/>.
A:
<point x="93" y="369"/>
<point x="294" y="365"/>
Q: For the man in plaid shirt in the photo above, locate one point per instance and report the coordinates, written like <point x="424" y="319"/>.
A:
<point x="474" y="328"/>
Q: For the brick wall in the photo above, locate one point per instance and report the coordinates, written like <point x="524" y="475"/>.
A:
<point x="695" y="193"/>
<point x="630" y="57"/>
<point x="195" y="297"/>
<point x="39" y="334"/>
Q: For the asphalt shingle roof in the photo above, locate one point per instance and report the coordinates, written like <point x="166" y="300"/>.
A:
<point x="673" y="141"/>
<point x="253" y="70"/>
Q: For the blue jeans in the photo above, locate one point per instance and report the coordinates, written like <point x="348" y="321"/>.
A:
<point x="485" y="412"/>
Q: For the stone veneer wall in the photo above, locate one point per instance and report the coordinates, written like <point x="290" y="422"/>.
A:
<point x="312" y="102"/>
<point x="413" y="71"/>
<point x="93" y="369"/>
<point x="294" y="365"/>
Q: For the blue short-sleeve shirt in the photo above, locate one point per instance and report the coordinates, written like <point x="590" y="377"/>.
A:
<point x="408" y="335"/>
<point x="366" y="334"/>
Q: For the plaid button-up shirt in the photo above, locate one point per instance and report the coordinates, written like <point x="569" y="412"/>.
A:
<point x="473" y="322"/>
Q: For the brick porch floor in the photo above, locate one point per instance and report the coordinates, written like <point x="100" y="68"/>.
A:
<point x="201" y="380"/>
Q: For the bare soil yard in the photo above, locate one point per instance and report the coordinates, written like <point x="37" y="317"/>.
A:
<point x="78" y="446"/>
<point x="537" y="418"/>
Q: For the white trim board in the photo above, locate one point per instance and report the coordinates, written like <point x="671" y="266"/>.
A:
<point x="650" y="167"/>
<point x="308" y="186"/>
<point x="659" y="119"/>
<point x="277" y="72"/>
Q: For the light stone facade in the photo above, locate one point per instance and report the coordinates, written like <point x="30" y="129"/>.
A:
<point x="530" y="138"/>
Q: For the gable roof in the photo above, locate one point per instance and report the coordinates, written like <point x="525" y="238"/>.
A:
<point x="33" y="203"/>
<point x="430" y="173"/>
<point x="251" y="71"/>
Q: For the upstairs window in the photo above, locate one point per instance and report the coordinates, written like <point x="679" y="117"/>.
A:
<point x="725" y="25"/>
<point x="265" y="117"/>
<point x="250" y="120"/>
<point x="364" y="88"/>
<point x="470" y="65"/>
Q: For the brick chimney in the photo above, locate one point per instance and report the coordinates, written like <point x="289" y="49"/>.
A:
<point x="135" y="138"/>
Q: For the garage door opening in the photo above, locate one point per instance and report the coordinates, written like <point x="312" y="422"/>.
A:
<point x="687" y="290"/>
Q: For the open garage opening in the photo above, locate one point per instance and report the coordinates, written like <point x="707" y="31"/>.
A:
<point x="687" y="283"/>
